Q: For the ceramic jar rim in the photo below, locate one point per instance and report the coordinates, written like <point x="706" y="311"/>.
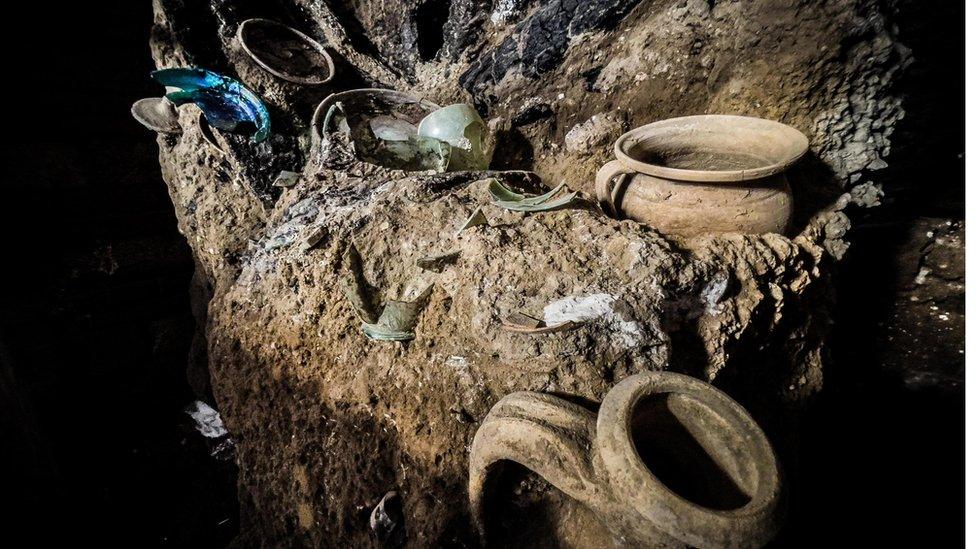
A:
<point x="614" y="424"/>
<point x="797" y="147"/>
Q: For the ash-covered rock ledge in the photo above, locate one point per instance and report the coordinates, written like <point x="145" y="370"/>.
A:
<point x="326" y="420"/>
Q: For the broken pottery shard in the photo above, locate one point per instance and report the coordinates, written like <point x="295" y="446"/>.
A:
<point x="208" y="420"/>
<point x="354" y="286"/>
<point x="525" y="324"/>
<point x="314" y="238"/>
<point x="477" y="218"/>
<point x="285" y="52"/>
<point x="462" y="127"/>
<point x="511" y="200"/>
<point x="436" y="263"/>
<point x="157" y="114"/>
<point x="386" y="520"/>
<point x="225" y="102"/>
<point x="398" y="319"/>
<point x="287" y="179"/>
<point x="522" y="320"/>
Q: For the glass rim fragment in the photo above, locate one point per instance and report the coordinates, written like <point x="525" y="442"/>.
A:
<point x="511" y="200"/>
<point x="315" y="44"/>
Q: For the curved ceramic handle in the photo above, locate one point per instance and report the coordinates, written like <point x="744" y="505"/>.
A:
<point x="546" y="434"/>
<point x="608" y="181"/>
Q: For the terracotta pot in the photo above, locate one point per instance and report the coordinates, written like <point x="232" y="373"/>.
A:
<point x="703" y="174"/>
<point x="667" y="461"/>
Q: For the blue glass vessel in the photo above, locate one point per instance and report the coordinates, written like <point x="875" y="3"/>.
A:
<point x="225" y="102"/>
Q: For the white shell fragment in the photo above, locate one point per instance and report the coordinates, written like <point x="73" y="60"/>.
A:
<point x="208" y="420"/>
<point x="287" y="179"/>
<point x="158" y="114"/>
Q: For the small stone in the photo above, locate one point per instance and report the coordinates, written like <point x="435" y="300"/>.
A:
<point x="314" y="238"/>
<point x="287" y="179"/>
<point x="598" y="130"/>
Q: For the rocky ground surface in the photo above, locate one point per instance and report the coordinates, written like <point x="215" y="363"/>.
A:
<point x="925" y="333"/>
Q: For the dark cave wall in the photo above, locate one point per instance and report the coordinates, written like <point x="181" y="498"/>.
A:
<point x="96" y="322"/>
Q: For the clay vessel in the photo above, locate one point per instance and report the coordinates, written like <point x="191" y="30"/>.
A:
<point x="703" y="174"/>
<point x="285" y="52"/>
<point x="668" y="461"/>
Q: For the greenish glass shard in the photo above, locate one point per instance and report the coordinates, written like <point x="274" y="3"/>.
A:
<point x="398" y="319"/>
<point x="354" y="286"/>
<point x="461" y="126"/>
<point x="502" y="193"/>
<point x="511" y="200"/>
<point x="287" y="179"/>
<point x="476" y="218"/>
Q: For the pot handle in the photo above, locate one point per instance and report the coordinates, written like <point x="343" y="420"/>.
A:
<point x="608" y="182"/>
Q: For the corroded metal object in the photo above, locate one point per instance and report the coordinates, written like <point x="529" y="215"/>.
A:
<point x="668" y="461"/>
<point x="285" y="52"/>
<point x="703" y="174"/>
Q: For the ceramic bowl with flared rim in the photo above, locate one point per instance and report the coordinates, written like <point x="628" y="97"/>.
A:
<point x="711" y="148"/>
<point x="726" y="433"/>
<point x="320" y="68"/>
<point x="377" y="100"/>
